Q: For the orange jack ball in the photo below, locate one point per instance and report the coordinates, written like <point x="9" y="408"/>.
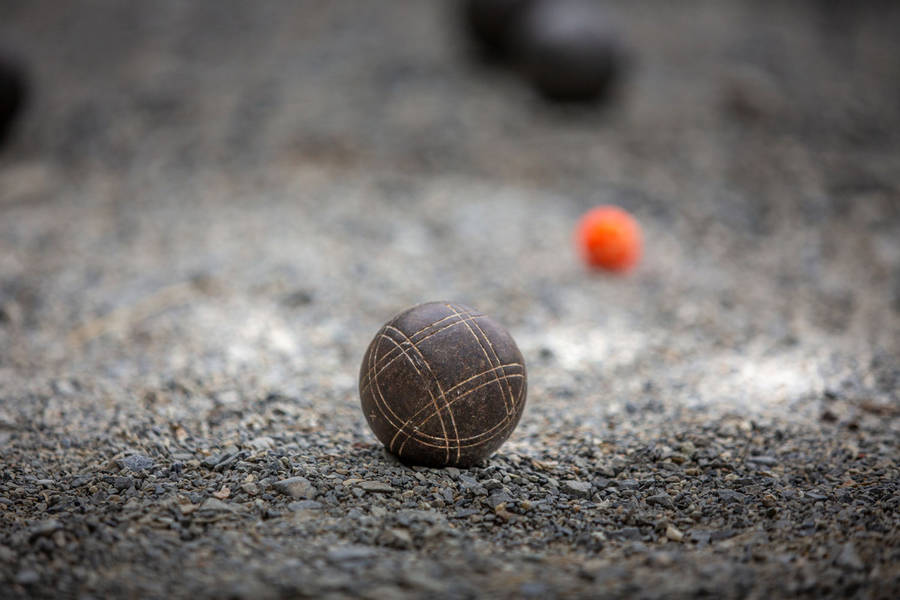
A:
<point x="609" y="238"/>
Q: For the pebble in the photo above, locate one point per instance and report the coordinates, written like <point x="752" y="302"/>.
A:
<point x="661" y="500"/>
<point x="731" y="496"/>
<point x="295" y="487"/>
<point x="376" y="486"/>
<point x="123" y="483"/>
<point x="674" y="534"/>
<point x="581" y="489"/>
<point x="137" y="462"/>
<point x="305" y="505"/>
<point x="498" y="499"/>
<point x="261" y="443"/>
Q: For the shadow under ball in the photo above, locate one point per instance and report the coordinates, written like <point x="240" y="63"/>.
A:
<point x="442" y="385"/>
<point x="12" y="95"/>
<point x="568" y="50"/>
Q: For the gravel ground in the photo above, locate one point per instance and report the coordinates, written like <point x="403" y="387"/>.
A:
<point x="211" y="207"/>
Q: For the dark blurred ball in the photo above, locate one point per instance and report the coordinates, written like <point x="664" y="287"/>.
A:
<point x="490" y="23"/>
<point x="12" y="95"/>
<point x="568" y="50"/>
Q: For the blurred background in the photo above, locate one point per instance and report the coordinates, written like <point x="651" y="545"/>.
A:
<point x="223" y="180"/>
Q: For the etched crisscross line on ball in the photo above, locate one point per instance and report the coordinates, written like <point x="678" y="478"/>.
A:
<point x="495" y="362"/>
<point x="421" y="436"/>
<point x="376" y="369"/>
<point x="372" y="354"/>
<point x="417" y="435"/>
<point x="440" y="388"/>
<point x="384" y="336"/>
<point x="399" y="351"/>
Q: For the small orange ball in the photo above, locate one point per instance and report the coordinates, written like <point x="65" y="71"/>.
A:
<point x="609" y="238"/>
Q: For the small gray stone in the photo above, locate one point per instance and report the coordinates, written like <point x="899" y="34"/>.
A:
<point x="295" y="487"/>
<point x="661" y="500"/>
<point x="212" y="460"/>
<point x="498" y="498"/>
<point x="137" y="462"/>
<point x="581" y="489"/>
<point x="727" y="495"/>
<point x="80" y="480"/>
<point x="305" y="505"/>
<point x="606" y="471"/>
<point x="376" y="486"/>
<point x="123" y="483"/>
<point x="468" y="482"/>
<point x="674" y="534"/>
<point x="216" y="505"/>
<point x="261" y="443"/>
<point x="229" y="460"/>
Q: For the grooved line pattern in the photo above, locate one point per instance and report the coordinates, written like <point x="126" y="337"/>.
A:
<point x="499" y="374"/>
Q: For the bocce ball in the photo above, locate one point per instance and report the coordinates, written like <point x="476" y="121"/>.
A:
<point x="490" y="23"/>
<point x="442" y="384"/>
<point x="567" y="49"/>
<point x="12" y="95"/>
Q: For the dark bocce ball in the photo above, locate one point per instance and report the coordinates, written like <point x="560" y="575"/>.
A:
<point x="12" y="95"/>
<point x="490" y="23"/>
<point x="567" y="49"/>
<point x="442" y="385"/>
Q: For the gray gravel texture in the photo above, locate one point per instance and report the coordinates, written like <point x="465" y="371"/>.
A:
<point x="212" y="206"/>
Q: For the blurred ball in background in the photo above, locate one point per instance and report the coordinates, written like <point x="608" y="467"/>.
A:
<point x="13" y="93"/>
<point x="490" y="24"/>
<point x="568" y="50"/>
